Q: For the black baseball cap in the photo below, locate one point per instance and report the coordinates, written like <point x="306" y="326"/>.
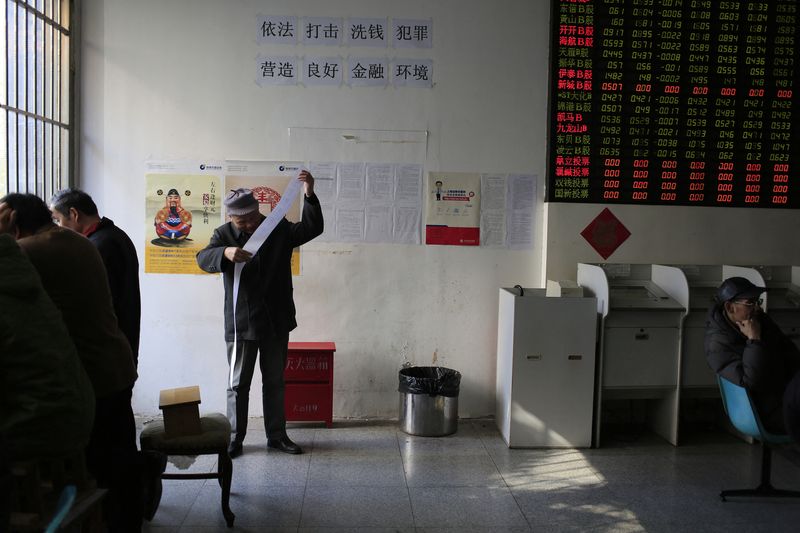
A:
<point x="738" y="288"/>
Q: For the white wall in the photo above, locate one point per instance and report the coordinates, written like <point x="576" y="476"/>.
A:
<point x="173" y="79"/>
<point x="675" y="235"/>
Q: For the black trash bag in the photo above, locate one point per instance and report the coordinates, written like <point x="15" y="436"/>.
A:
<point x="431" y="380"/>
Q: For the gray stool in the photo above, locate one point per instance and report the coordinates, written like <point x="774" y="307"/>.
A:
<point x="213" y="439"/>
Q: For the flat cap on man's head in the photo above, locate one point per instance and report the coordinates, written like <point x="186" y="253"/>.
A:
<point x="240" y="202"/>
<point x="738" y="288"/>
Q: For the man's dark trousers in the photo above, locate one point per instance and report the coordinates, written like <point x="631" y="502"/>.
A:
<point x="272" y="361"/>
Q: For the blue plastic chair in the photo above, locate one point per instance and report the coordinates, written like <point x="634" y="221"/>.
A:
<point x="65" y="501"/>
<point x="744" y="417"/>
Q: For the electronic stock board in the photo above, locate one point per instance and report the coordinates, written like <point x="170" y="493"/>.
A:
<point x="674" y="102"/>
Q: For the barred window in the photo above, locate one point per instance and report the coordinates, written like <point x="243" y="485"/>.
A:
<point x="36" y="97"/>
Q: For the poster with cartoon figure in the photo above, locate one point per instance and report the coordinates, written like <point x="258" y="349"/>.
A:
<point x="182" y="208"/>
<point x="267" y="180"/>
<point x="453" y="209"/>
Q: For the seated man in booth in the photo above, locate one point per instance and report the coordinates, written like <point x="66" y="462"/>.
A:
<point x="744" y="346"/>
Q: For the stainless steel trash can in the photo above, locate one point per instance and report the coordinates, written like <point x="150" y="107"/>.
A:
<point x="428" y="416"/>
<point x="429" y="401"/>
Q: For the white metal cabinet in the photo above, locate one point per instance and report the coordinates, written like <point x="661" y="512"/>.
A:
<point x="545" y="369"/>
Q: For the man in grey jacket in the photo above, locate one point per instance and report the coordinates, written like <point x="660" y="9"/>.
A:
<point x="265" y="311"/>
<point x="744" y="346"/>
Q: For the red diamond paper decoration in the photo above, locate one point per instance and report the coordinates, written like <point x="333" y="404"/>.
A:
<point x="605" y="233"/>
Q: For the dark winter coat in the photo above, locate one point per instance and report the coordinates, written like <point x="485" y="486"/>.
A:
<point x="264" y="307"/>
<point x="122" y="267"/>
<point x="764" y="366"/>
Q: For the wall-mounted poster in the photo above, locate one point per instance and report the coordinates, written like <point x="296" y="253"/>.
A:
<point x="268" y="180"/>
<point x="453" y="209"/>
<point x="182" y="208"/>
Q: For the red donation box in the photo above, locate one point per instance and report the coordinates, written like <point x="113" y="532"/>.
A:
<point x="309" y="382"/>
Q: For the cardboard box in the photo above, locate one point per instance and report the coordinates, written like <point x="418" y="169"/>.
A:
<point x="564" y="289"/>
<point x="181" y="411"/>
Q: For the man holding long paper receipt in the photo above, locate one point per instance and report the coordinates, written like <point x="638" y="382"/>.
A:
<point x="258" y="279"/>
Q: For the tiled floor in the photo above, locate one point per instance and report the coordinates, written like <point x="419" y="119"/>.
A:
<point x="372" y="477"/>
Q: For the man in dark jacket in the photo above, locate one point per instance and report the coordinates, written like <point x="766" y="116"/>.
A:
<point x="744" y="346"/>
<point x="75" y="210"/>
<point x="75" y="279"/>
<point x="265" y="312"/>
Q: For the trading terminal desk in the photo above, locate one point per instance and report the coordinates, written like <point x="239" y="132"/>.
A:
<point x="641" y="340"/>
<point x="782" y="301"/>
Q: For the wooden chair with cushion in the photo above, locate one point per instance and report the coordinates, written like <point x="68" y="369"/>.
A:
<point x="213" y="439"/>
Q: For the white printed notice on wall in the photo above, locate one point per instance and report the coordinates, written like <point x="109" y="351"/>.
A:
<point x="453" y="209"/>
<point x="321" y="31"/>
<point x="276" y="70"/>
<point x="367" y="32"/>
<point x="519" y="222"/>
<point x="412" y="33"/>
<point x="367" y="71"/>
<point x="322" y="71"/>
<point x="276" y="30"/>
<point x="369" y="202"/>
<point x="493" y="210"/>
<point x="412" y="73"/>
<point x="507" y="209"/>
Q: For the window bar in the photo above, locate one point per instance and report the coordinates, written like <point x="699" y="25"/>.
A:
<point x="16" y="93"/>
<point x="27" y="103"/>
<point x="36" y="169"/>
<point x="8" y="98"/>
<point x="30" y="24"/>
<point x="56" y="139"/>
<point x="57" y="112"/>
<point x="25" y="96"/>
<point x="40" y="77"/>
<point x="73" y="62"/>
<point x="50" y="32"/>
<point x="52" y="101"/>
